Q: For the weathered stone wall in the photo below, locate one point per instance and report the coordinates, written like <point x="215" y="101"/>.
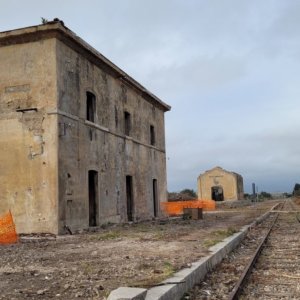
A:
<point x="48" y="147"/>
<point x="102" y="145"/>
<point x="28" y="135"/>
<point x="218" y="177"/>
<point x="240" y="187"/>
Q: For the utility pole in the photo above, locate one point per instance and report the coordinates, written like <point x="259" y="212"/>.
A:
<point x="253" y="192"/>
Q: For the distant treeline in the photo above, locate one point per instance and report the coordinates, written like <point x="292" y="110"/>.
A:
<point x="296" y="191"/>
<point x="185" y="194"/>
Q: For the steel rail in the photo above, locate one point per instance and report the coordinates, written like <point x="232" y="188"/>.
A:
<point x="240" y="284"/>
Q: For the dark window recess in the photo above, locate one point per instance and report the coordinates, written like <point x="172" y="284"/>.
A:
<point x="129" y="198"/>
<point x="116" y="117"/>
<point x="152" y="135"/>
<point x="26" y="109"/>
<point x="90" y="106"/>
<point x="155" y="202"/>
<point x="127" y="123"/>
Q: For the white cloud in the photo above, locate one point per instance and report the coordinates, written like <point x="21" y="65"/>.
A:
<point x="230" y="69"/>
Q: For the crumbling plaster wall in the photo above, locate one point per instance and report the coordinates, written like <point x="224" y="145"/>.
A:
<point x="102" y="145"/>
<point x="28" y="135"/>
<point x="240" y="187"/>
<point x="217" y="177"/>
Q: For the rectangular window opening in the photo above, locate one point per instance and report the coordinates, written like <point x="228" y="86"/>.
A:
<point x="127" y="120"/>
<point x="152" y="135"/>
<point x="155" y="200"/>
<point x="90" y="106"/>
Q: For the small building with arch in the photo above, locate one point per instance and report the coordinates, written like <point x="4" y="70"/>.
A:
<point x="81" y="142"/>
<point x="219" y="185"/>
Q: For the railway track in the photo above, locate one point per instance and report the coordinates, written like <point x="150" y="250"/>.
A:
<point x="276" y="273"/>
<point x="265" y="266"/>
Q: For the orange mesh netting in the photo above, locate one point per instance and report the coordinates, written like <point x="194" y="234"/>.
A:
<point x="8" y="233"/>
<point x="176" y="208"/>
<point x="208" y="204"/>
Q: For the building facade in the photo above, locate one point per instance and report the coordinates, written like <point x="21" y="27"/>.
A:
<point x="81" y="142"/>
<point x="218" y="184"/>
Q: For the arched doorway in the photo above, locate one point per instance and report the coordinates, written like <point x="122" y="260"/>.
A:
<point x="217" y="193"/>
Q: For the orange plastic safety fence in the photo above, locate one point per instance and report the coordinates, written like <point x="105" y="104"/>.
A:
<point x="176" y="208"/>
<point x="8" y="234"/>
<point x="209" y="204"/>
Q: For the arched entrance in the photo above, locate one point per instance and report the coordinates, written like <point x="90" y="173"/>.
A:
<point x="217" y="193"/>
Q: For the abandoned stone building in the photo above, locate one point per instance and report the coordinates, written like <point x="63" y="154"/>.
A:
<point x="218" y="184"/>
<point x="81" y="142"/>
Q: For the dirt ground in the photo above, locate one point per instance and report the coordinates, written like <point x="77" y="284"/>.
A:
<point x="90" y="265"/>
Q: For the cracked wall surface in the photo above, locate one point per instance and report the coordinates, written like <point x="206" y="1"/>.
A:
<point x="28" y="139"/>
<point x="48" y="146"/>
<point x="232" y="184"/>
<point x="102" y="146"/>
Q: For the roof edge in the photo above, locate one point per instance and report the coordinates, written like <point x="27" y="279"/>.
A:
<point x="52" y="28"/>
<point x="220" y="169"/>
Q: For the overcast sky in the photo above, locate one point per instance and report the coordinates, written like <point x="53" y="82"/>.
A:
<point x="230" y="69"/>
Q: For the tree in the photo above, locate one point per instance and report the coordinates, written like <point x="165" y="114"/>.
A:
<point x="189" y="192"/>
<point x="44" y="21"/>
<point x="287" y="195"/>
<point x="265" y="195"/>
<point x="296" y="191"/>
<point x="247" y="196"/>
<point x="185" y="194"/>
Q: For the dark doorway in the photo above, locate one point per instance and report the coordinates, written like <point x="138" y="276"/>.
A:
<point x="93" y="197"/>
<point x="217" y="193"/>
<point x="154" y="192"/>
<point x="129" y="198"/>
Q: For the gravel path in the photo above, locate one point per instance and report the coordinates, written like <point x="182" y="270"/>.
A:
<point x="90" y="265"/>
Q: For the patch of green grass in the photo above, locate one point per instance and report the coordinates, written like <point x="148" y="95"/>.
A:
<point x="155" y="234"/>
<point x="168" y="269"/>
<point x="143" y="228"/>
<point x="106" y="225"/>
<point x="165" y="271"/>
<point x="159" y="235"/>
<point x="211" y="242"/>
<point x="109" y="235"/>
<point x="86" y="268"/>
<point x="228" y="232"/>
<point x="218" y="236"/>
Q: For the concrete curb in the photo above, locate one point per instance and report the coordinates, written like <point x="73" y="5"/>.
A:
<point x="174" y="288"/>
<point x="126" y="293"/>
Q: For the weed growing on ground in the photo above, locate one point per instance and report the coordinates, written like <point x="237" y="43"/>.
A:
<point x="218" y="236"/>
<point x="86" y="268"/>
<point x="168" y="269"/>
<point x="110" y="235"/>
<point x="165" y="271"/>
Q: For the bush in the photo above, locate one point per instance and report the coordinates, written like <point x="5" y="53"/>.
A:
<point x="296" y="191"/>
<point x="265" y="195"/>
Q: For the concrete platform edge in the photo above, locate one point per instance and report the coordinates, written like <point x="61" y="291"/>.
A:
<point x="174" y="287"/>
